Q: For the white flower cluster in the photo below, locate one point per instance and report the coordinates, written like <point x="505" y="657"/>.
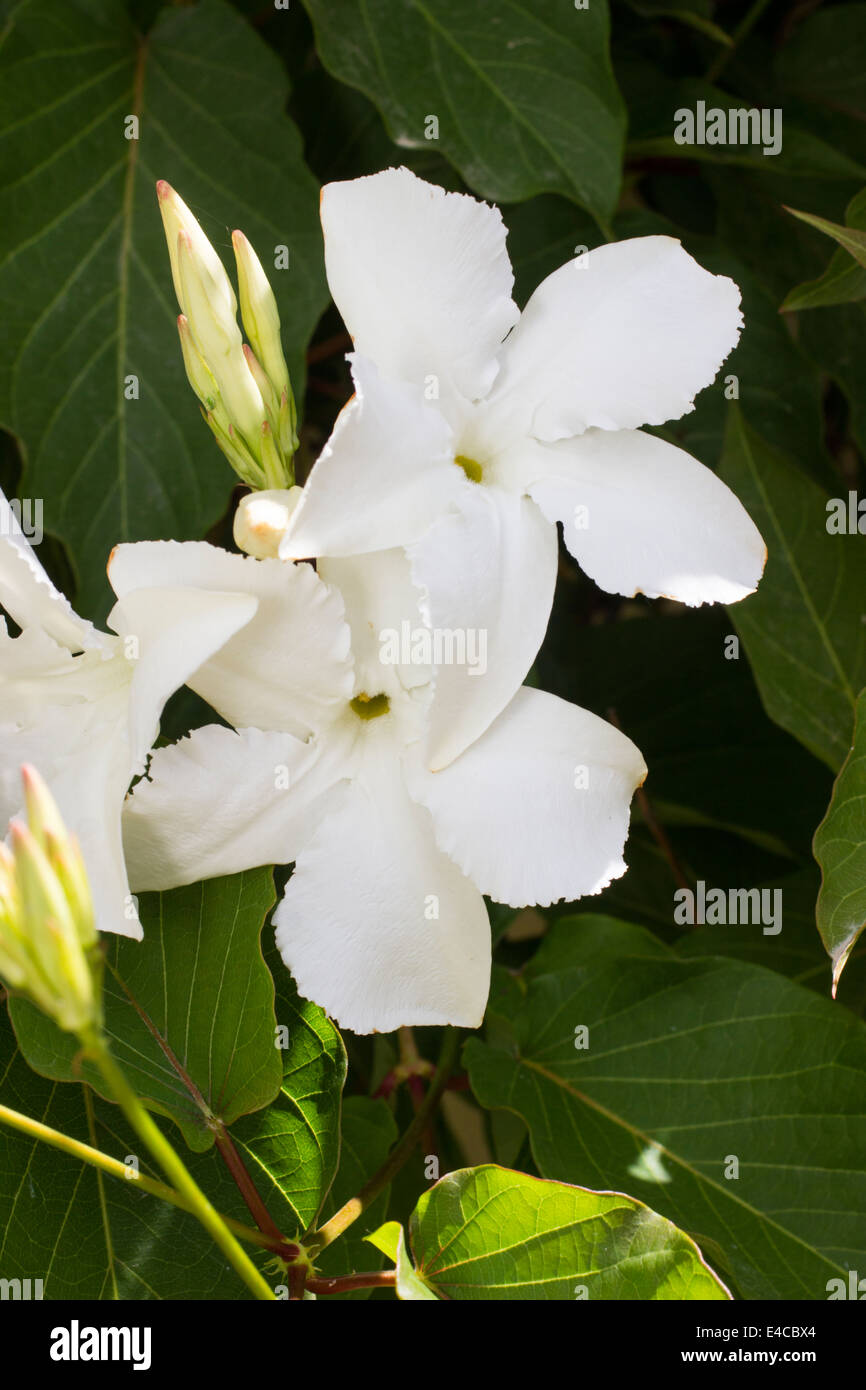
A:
<point x="402" y="778"/>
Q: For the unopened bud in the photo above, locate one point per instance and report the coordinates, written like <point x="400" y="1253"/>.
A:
<point x="47" y="931"/>
<point x="271" y="400"/>
<point x="198" y="373"/>
<point x="218" y="339"/>
<point x="276" y="473"/>
<point x="244" y="389"/>
<point x="260" y="315"/>
<point x="262" y="518"/>
<point x="248" y="469"/>
<point x="176" y="218"/>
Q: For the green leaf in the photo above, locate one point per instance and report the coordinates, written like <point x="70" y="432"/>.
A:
<point x="690" y="1065"/>
<point x="524" y="95"/>
<point x="849" y="238"/>
<point x="843" y="282"/>
<point x="490" y="1233"/>
<point x="836" y="342"/>
<point x="840" y="849"/>
<point x="410" y="1287"/>
<point x="189" y="1010"/>
<point x="291" y="1148"/>
<point x="86" y="1235"/>
<point x="803" y="629"/>
<point x="386" y="1239"/>
<point x="84" y="275"/>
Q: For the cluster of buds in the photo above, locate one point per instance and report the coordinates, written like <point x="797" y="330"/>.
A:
<point x="48" y="942"/>
<point x="244" y="388"/>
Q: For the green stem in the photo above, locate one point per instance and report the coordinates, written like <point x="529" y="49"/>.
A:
<point x="746" y="25"/>
<point x="342" y="1219"/>
<point x="174" y="1168"/>
<point x="113" y="1166"/>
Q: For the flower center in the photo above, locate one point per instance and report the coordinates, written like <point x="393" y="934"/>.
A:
<point x="370" y="706"/>
<point x="470" y="467"/>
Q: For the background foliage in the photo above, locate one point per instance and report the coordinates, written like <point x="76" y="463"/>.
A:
<point x="705" y="1042"/>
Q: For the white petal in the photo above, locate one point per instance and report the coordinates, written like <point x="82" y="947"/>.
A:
<point x="537" y="810"/>
<point x="89" y="790"/>
<point x="421" y="278"/>
<point x="377" y="926"/>
<point x="642" y="516"/>
<point x="174" y="632"/>
<point x="488" y="573"/>
<point x="627" y="340"/>
<point x="68" y="717"/>
<point x="29" y="596"/>
<point x="289" y="668"/>
<point x="386" y="472"/>
<point x="219" y="802"/>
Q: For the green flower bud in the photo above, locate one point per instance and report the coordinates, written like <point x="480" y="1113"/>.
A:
<point x="260" y="315"/>
<point x="198" y="373"/>
<point x="271" y="400"/>
<point x="244" y="389"/>
<point x="47" y="931"/>
<point x="218" y="339"/>
<point x="248" y="469"/>
<point x="176" y="218"/>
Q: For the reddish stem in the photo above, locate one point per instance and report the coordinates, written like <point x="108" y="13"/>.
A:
<point x="320" y="352"/>
<point x="376" y="1279"/>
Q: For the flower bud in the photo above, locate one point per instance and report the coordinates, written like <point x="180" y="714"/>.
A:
<point x="248" y="469"/>
<point x="176" y="218"/>
<point x="47" y="930"/>
<point x="271" y="400"/>
<point x="260" y="315"/>
<point x="198" y="373"/>
<point x="218" y="339"/>
<point x="262" y="518"/>
<point x="244" y="389"/>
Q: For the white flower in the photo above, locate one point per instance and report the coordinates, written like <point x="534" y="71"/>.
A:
<point x="383" y="921"/>
<point x="83" y="706"/>
<point x="475" y="427"/>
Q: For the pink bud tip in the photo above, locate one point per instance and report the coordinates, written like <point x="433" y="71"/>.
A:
<point x="163" y="190"/>
<point x="19" y="833"/>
